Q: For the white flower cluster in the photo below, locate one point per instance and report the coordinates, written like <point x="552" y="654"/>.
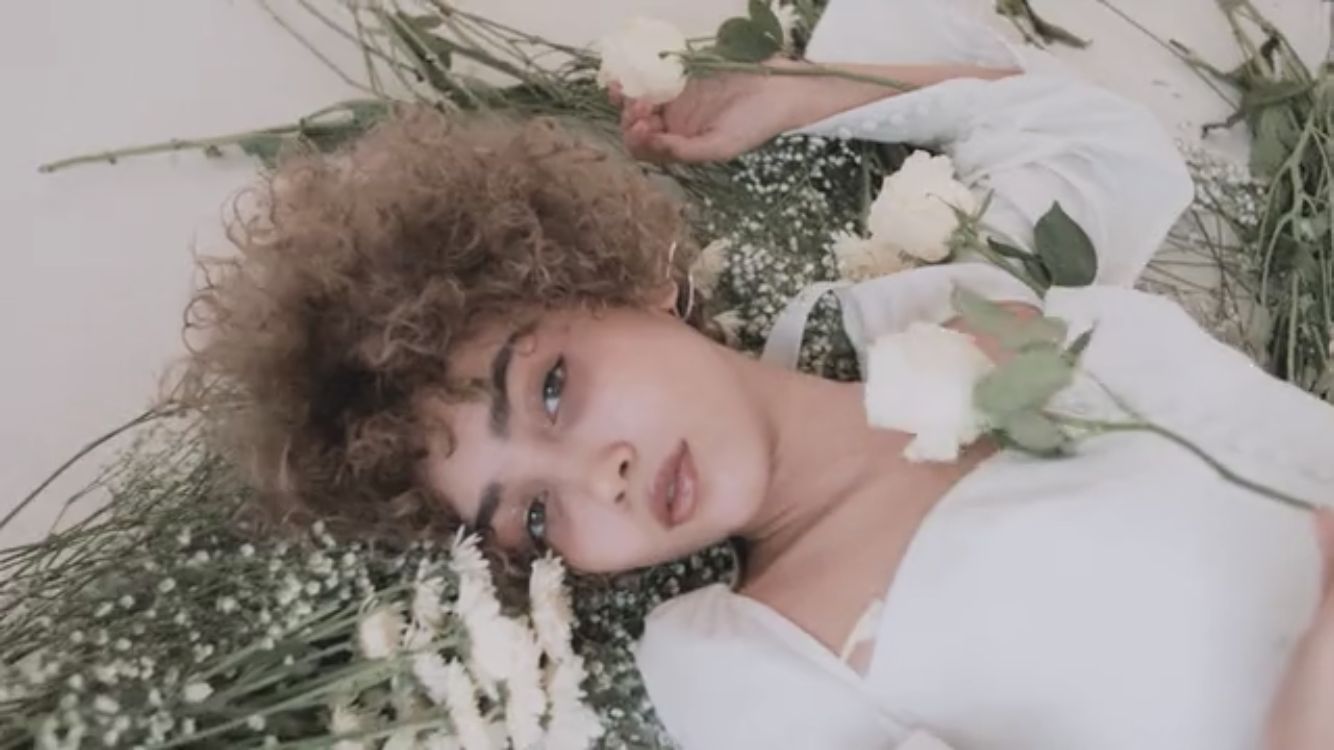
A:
<point x="913" y="216"/>
<point x="771" y="235"/>
<point x="503" y="652"/>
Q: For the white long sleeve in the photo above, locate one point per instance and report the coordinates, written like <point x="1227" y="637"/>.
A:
<point x="1031" y="139"/>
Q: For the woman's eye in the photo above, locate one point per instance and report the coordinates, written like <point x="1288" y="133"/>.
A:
<point x="552" y="387"/>
<point x="535" y="520"/>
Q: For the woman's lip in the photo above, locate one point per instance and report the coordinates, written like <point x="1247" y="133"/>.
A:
<point x="687" y="488"/>
<point x="668" y="474"/>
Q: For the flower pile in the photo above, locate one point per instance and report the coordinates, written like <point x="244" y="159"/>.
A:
<point x="169" y="620"/>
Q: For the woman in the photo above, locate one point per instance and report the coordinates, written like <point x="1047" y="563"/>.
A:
<point x="469" y="319"/>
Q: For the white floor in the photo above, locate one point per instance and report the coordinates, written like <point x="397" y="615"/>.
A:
<point x="97" y="263"/>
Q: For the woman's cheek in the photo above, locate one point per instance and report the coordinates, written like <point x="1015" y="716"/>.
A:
<point x="599" y="542"/>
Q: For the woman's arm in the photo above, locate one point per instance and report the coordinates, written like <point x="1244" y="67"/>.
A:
<point x="1303" y="713"/>
<point x="723" y="116"/>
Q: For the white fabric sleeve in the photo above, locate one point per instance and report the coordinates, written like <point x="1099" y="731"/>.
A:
<point x="1031" y="139"/>
<point x="724" y="675"/>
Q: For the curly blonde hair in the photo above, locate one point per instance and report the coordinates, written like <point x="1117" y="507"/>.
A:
<point x="360" y="271"/>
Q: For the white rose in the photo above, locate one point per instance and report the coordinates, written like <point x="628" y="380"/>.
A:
<point x="920" y="381"/>
<point x="860" y="259"/>
<point x="633" y="56"/>
<point x="914" y="212"/>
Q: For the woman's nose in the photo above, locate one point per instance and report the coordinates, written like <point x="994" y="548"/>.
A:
<point x="609" y="476"/>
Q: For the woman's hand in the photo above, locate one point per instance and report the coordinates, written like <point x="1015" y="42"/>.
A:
<point x="1303" y="714"/>
<point x="716" y="118"/>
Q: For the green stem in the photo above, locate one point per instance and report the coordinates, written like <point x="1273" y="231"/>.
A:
<point x="144" y="418"/>
<point x="313" y="49"/>
<point x="805" y="71"/>
<point x="175" y="144"/>
<point x="305" y="125"/>
<point x="433" y="720"/>
<point x="1177" y="50"/>
<point x="1013" y="269"/>
<point x="1096" y="425"/>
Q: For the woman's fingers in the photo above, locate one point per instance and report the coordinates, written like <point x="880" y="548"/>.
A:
<point x="710" y="146"/>
<point x="639" y="137"/>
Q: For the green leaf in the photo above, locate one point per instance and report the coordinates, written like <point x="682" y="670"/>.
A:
<point x="765" y="20"/>
<point x="1066" y="251"/>
<point x="742" y="40"/>
<point x="1025" y="383"/>
<point x="1008" y="251"/>
<point x="1077" y="347"/>
<point x="263" y="147"/>
<point x="1274" y="134"/>
<point x="1035" y="433"/>
<point x="1039" y="272"/>
<point x="1010" y="330"/>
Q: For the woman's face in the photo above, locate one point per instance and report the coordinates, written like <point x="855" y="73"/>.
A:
<point x="619" y="439"/>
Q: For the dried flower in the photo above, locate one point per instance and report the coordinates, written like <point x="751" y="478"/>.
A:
<point x="448" y="685"/>
<point x="552" y="615"/>
<point x="426" y="607"/>
<point x="526" y="702"/>
<point x="345" y="719"/>
<point x="379" y="632"/>
<point x="573" y="725"/>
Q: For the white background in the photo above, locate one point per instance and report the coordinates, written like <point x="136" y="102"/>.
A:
<point x="96" y="262"/>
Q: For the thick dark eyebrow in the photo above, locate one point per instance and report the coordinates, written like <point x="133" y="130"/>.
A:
<point x="486" y="509"/>
<point x="499" y="420"/>
<point x="500" y="370"/>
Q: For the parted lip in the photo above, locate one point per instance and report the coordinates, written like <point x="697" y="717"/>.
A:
<point x="668" y="473"/>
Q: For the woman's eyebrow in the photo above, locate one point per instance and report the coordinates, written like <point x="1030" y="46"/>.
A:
<point x="499" y="417"/>
<point x="486" y="508"/>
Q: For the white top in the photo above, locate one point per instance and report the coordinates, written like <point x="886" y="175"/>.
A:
<point x="1127" y="597"/>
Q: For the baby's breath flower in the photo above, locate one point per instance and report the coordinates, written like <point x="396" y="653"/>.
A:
<point x="105" y="704"/>
<point x="196" y="692"/>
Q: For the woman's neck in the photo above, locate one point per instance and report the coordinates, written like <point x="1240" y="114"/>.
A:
<point x="823" y="454"/>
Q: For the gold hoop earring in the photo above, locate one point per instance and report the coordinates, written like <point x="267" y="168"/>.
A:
<point x="685" y="298"/>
